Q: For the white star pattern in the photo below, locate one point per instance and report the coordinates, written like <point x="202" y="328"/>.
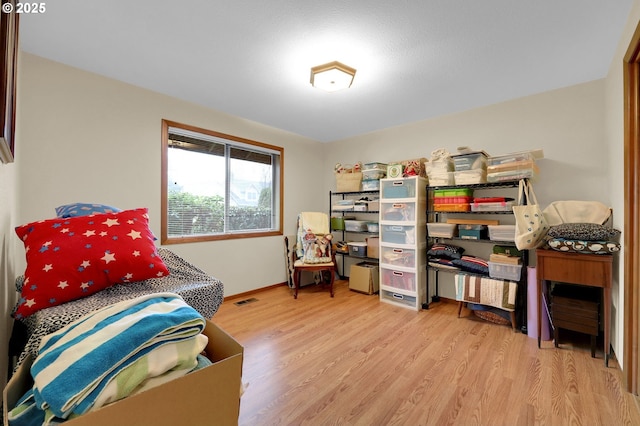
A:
<point x="64" y="230"/>
<point x="63" y="285"/>
<point x="47" y="267"/>
<point x="89" y="233"/>
<point x="111" y="222"/>
<point x="130" y="222"/>
<point x="103" y="234"/>
<point x="30" y="302"/>
<point x="84" y="286"/>
<point x="108" y="257"/>
<point x="134" y="234"/>
<point x="128" y="276"/>
<point x="85" y="264"/>
<point x="136" y="253"/>
<point x="48" y="243"/>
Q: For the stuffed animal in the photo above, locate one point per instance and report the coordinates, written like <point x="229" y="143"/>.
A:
<point x="323" y="245"/>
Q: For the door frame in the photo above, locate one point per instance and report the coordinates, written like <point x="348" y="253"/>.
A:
<point x="631" y="88"/>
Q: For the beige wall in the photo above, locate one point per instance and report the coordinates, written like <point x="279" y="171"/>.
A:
<point x="94" y="139"/>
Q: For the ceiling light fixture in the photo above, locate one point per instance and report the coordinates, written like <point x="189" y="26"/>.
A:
<point x="332" y="77"/>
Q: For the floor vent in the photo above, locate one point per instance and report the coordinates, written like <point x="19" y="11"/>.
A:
<point x="245" y="301"/>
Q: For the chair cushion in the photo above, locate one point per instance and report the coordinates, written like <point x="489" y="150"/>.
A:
<point x="301" y="264"/>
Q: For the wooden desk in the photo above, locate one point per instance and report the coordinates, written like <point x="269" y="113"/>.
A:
<point x="595" y="270"/>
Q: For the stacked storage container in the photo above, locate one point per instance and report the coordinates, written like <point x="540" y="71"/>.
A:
<point x="440" y="172"/>
<point x="403" y="242"/>
<point x="371" y="175"/>
<point x="519" y="165"/>
<point x="452" y="200"/>
<point x="470" y="168"/>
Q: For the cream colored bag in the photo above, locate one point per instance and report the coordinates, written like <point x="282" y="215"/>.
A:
<point x="531" y="225"/>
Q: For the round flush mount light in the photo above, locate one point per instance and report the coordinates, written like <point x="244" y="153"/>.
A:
<point x="332" y="76"/>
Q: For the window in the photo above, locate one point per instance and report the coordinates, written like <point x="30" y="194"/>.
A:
<point x="217" y="186"/>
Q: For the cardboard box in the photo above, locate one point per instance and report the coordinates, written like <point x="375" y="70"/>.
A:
<point x="373" y="247"/>
<point x="210" y="395"/>
<point x="364" y="278"/>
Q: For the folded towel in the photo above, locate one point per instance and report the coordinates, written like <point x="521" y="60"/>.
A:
<point x="118" y="350"/>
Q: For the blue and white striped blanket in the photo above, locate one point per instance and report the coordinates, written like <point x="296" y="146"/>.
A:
<point x="109" y="354"/>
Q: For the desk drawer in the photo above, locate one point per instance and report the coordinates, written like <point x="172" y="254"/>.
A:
<point x="576" y="305"/>
<point x="576" y="324"/>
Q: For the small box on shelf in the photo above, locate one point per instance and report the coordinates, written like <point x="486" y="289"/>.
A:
<point x="358" y="248"/>
<point x="472" y="232"/>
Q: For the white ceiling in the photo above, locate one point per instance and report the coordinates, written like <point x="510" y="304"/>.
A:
<point x="415" y="59"/>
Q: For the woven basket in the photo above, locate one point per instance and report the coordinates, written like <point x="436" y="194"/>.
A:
<point x="348" y="182"/>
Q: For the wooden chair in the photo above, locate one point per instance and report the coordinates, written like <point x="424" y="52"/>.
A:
<point x="313" y="235"/>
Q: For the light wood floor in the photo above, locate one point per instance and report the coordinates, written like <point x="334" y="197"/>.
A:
<point x="353" y="360"/>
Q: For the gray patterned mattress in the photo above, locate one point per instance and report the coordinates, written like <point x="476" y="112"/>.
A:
<point x="201" y="291"/>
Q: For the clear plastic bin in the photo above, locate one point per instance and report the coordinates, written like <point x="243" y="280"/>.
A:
<point x="355" y="225"/>
<point x="471" y="161"/>
<point x="375" y="166"/>
<point x="441" y="178"/>
<point x="503" y="206"/>
<point x="373" y="174"/>
<point x="442" y="230"/>
<point x="371" y="185"/>
<point x="509" y="158"/>
<point x="504" y="271"/>
<point x="470" y="177"/>
<point x="502" y="232"/>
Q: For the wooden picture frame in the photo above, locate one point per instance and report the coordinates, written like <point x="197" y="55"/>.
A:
<point x="8" y="68"/>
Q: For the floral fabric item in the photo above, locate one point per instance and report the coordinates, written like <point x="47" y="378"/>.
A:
<point x="583" y="231"/>
<point x="583" y="246"/>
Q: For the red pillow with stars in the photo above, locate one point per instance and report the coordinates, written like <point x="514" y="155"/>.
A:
<point x="70" y="258"/>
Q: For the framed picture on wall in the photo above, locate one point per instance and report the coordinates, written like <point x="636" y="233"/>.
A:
<point x="8" y="65"/>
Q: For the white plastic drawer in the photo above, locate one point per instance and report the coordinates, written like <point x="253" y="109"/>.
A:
<point x="398" y="211"/>
<point x="398" y="188"/>
<point x="403" y="299"/>
<point x="401" y="280"/>
<point x="398" y="257"/>
<point x="398" y="234"/>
